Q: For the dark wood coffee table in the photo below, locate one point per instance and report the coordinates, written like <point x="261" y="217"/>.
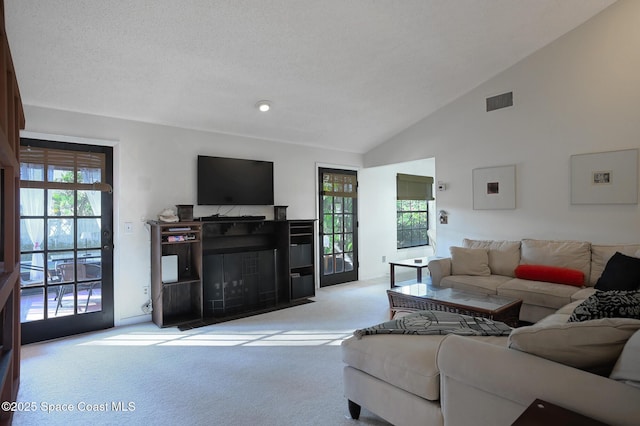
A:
<point x="420" y="297"/>
<point x="545" y="413"/>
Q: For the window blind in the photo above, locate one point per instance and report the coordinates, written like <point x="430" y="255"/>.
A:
<point x="36" y="162"/>
<point x="413" y="187"/>
<point x="339" y="185"/>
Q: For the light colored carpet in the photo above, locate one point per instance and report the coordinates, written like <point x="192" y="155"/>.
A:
<point x="280" y="368"/>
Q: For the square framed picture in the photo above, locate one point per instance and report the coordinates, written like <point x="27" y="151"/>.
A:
<point x="601" y="178"/>
<point x="494" y="188"/>
<point x="605" y="177"/>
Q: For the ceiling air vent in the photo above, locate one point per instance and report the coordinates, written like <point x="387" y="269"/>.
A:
<point x="500" y="101"/>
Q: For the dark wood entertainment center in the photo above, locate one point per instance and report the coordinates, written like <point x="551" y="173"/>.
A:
<point x="229" y="266"/>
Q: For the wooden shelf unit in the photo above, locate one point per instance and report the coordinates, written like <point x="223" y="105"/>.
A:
<point x="231" y="267"/>
<point x="301" y="271"/>
<point x="176" y="302"/>
<point x="11" y="121"/>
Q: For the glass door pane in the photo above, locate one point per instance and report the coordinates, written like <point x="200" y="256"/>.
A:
<point x="338" y="229"/>
<point x="65" y="246"/>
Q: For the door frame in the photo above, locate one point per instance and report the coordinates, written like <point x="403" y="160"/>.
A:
<point x="319" y="245"/>
<point x="92" y="321"/>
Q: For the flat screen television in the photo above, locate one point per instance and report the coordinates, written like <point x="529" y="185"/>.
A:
<point x="234" y="181"/>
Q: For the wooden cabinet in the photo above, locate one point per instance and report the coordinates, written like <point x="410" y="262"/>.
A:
<point x="223" y="268"/>
<point x="11" y="121"/>
<point x="176" y="272"/>
<point x="301" y="270"/>
<point x="240" y="272"/>
<point x="239" y="282"/>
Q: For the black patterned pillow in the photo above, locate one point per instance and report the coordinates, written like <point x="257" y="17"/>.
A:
<point x="608" y="304"/>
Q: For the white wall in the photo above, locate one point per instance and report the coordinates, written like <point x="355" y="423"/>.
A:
<point x="580" y="94"/>
<point x="377" y="216"/>
<point x="155" y="168"/>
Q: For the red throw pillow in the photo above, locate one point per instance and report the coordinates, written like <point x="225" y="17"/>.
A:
<point x="550" y="274"/>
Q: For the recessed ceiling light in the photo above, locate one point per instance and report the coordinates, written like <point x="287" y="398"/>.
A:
<point x="263" y="106"/>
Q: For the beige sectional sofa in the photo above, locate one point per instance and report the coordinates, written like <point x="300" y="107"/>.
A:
<point x="491" y="380"/>
<point x="460" y="381"/>
<point x="539" y="298"/>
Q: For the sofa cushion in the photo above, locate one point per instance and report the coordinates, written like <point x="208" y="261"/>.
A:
<point x="621" y="273"/>
<point x="504" y="256"/>
<point x="538" y="293"/>
<point x="534" y="313"/>
<point x="608" y="304"/>
<point x="568" y="309"/>
<point x="627" y="368"/>
<point x="551" y="274"/>
<point x="583" y="293"/>
<point x="485" y="284"/>
<point x="565" y="254"/>
<point x="405" y="361"/>
<point x="588" y="345"/>
<point x="601" y="253"/>
<point x="467" y="261"/>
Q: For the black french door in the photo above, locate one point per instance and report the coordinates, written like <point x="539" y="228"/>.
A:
<point x="338" y="226"/>
<point x="66" y="240"/>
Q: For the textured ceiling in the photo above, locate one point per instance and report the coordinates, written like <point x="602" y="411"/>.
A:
<point x="343" y="74"/>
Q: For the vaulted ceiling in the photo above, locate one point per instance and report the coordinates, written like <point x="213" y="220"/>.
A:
<point x="341" y="74"/>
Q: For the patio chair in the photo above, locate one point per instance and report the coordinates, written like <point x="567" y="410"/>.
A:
<point x="66" y="272"/>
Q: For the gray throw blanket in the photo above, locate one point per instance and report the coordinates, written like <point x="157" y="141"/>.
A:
<point x="437" y="322"/>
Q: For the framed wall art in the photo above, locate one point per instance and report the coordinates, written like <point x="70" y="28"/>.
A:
<point x="605" y="177"/>
<point x="494" y="188"/>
